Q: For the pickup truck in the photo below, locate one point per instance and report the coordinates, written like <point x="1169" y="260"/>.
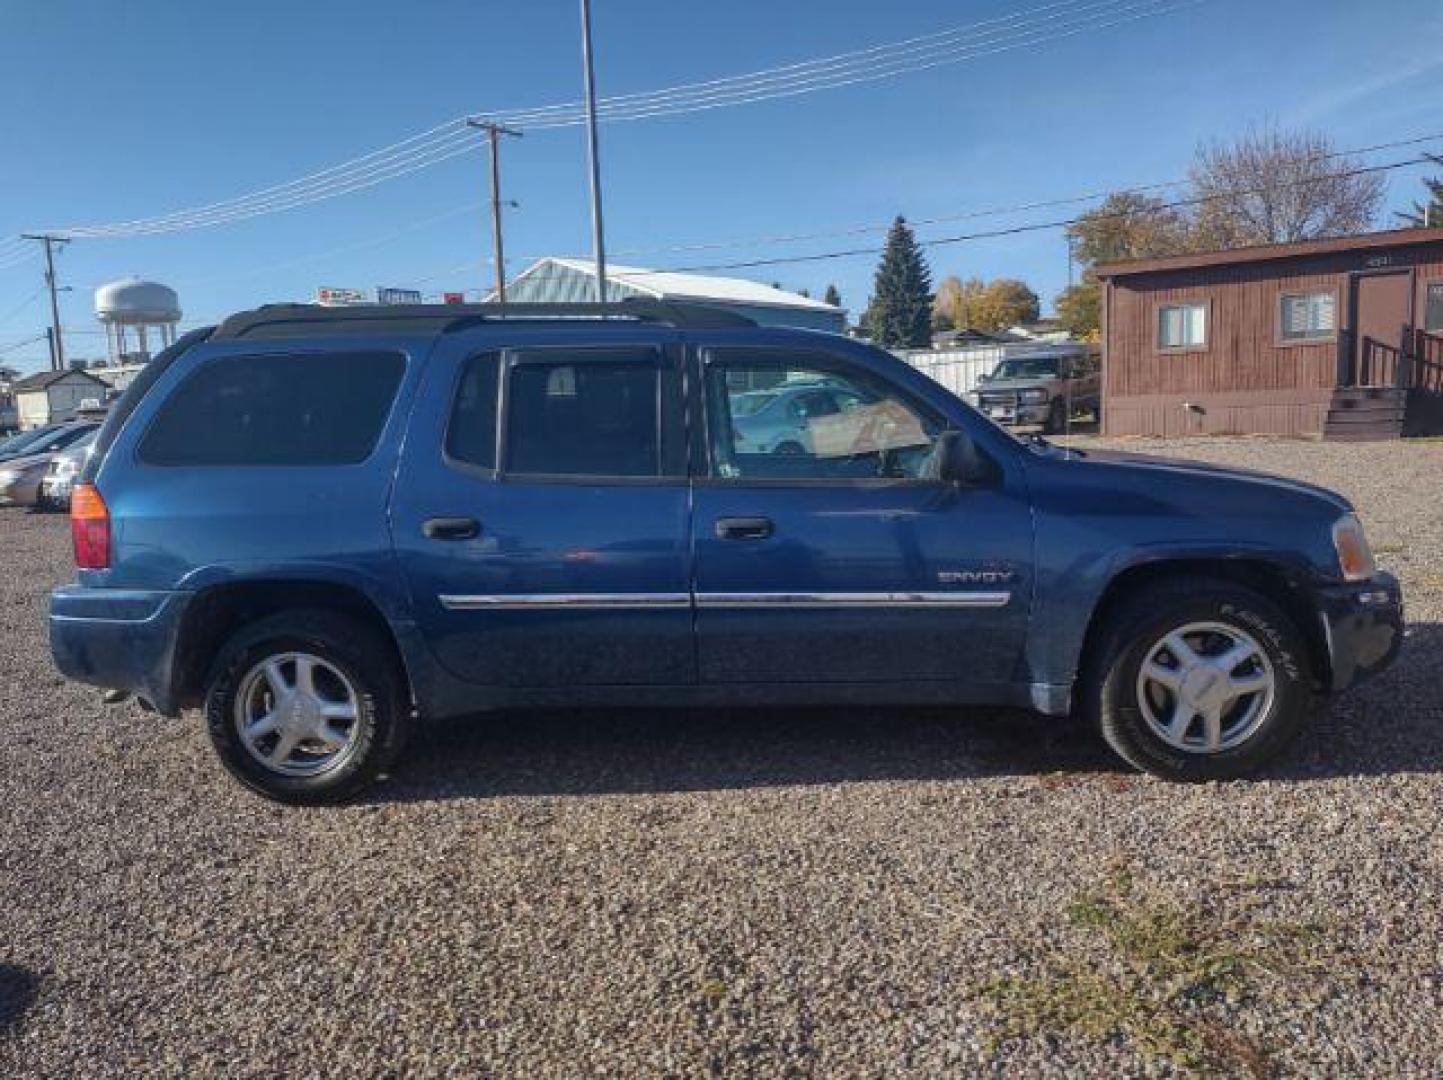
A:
<point x="324" y="526"/>
<point x="1044" y="387"/>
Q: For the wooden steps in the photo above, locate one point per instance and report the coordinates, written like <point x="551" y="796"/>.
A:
<point x="1366" y="413"/>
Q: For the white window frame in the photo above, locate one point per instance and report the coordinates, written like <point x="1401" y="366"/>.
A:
<point x="1183" y="345"/>
<point x="1310" y="337"/>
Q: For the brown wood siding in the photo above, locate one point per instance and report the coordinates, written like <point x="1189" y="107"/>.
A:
<point x="1245" y="378"/>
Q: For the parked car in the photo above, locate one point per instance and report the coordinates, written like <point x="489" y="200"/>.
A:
<point x="777" y="420"/>
<point x="324" y="525"/>
<point x="1045" y="387"/>
<point x="20" y="476"/>
<point x="59" y="477"/>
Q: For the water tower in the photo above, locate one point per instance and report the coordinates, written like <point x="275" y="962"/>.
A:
<point x="130" y="310"/>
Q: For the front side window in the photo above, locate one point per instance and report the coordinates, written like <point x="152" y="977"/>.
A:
<point x="1309" y="316"/>
<point x="1182" y="326"/>
<point x="318" y="409"/>
<point x="1433" y="312"/>
<point x="817" y="422"/>
<point x="591" y="414"/>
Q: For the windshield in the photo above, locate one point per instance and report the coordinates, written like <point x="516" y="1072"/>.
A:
<point x="1038" y="367"/>
<point x="24" y="439"/>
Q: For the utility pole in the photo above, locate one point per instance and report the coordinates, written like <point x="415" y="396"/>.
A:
<point x="57" y="343"/>
<point x="598" y="241"/>
<point x="493" y="132"/>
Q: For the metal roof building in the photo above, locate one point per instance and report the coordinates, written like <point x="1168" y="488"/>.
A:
<point x="569" y="281"/>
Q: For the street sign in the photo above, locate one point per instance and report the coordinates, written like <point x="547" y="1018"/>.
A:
<point x="454" y="297"/>
<point x="386" y="295"/>
<point x="332" y="297"/>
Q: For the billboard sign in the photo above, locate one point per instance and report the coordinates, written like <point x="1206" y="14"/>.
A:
<point x="386" y="295"/>
<point x="454" y="297"/>
<point x="333" y="297"/>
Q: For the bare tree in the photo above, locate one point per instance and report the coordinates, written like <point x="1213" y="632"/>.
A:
<point x="1272" y="186"/>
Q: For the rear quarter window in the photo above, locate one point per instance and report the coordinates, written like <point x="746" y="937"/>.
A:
<point x="276" y="409"/>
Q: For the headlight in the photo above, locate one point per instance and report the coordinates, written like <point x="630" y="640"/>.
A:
<point x="1355" y="558"/>
<point x="1033" y="397"/>
<point x="8" y="477"/>
<point x="64" y="468"/>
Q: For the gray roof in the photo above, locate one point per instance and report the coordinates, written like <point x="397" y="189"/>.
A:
<point x="42" y="380"/>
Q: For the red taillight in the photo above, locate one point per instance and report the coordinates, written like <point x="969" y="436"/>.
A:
<point x="90" y="528"/>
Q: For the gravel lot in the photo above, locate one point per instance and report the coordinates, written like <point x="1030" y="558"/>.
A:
<point x="801" y="893"/>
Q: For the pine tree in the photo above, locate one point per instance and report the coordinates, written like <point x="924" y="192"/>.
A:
<point x="832" y="296"/>
<point x="1430" y="213"/>
<point x="900" y="313"/>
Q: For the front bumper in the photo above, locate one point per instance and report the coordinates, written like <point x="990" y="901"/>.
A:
<point x="1019" y="413"/>
<point x="121" y="639"/>
<point x="1363" y="627"/>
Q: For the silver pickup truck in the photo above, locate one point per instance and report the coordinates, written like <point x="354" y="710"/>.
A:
<point x="1044" y="387"/>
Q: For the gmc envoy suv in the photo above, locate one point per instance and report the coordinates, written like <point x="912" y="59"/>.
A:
<point x="323" y="526"/>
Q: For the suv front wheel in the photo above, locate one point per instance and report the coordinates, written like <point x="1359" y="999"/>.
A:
<point x="1199" y="679"/>
<point x="306" y="707"/>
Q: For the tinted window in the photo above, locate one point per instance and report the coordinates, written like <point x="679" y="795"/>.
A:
<point x="583" y="417"/>
<point x="838" y="425"/>
<point x="471" y="434"/>
<point x="320" y="409"/>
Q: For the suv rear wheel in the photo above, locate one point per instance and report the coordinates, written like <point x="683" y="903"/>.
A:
<point x="306" y="707"/>
<point x="1199" y="679"/>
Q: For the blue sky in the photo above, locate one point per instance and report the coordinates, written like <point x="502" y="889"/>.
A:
<point x="115" y="111"/>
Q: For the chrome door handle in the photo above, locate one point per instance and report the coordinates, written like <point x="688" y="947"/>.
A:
<point x="451" y="528"/>
<point x="743" y="528"/>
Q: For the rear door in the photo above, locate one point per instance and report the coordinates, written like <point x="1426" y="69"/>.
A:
<point x="541" y="511"/>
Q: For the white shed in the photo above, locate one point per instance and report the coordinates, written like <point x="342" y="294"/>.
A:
<point x="48" y="397"/>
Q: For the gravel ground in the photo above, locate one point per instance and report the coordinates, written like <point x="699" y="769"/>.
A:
<point x="763" y="894"/>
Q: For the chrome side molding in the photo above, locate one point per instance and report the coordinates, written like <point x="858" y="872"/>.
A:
<point x="784" y="600"/>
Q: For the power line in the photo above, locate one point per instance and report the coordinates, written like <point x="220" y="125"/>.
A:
<point x="450" y="139"/>
<point x="1040" y="226"/>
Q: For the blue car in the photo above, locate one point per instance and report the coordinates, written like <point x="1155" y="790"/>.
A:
<point x="323" y="526"/>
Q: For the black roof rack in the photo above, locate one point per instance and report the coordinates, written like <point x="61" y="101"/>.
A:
<point x="296" y="320"/>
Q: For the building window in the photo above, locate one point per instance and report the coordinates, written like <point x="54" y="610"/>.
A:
<point x="1182" y="326"/>
<point x="1309" y="316"/>
<point x="1433" y="314"/>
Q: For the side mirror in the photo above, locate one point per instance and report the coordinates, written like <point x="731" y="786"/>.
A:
<point x="959" y="461"/>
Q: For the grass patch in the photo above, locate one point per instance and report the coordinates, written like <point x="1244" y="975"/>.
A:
<point x="1157" y="975"/>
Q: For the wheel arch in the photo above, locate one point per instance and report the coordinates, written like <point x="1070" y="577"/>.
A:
<point x="218" y="611"/>
<point x="1272" y="579"/>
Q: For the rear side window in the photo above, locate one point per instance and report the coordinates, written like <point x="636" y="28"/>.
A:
<point x="471" y="434"/>
<point x="310" y="409"/>
<point x="593" y="416"/>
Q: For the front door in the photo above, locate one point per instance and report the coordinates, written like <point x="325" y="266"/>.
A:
<point x="1382" y="307"/>
<point x="823" y="554"/>
<point x="541" y="513"/>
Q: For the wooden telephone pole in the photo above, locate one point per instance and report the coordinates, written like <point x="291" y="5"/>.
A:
<point x="493" y="133"/>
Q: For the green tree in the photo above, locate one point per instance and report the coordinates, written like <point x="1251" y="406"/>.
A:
<point x="899" y="315"/>
<point x="1430" y="213"/>
<point x="832" y="296"/>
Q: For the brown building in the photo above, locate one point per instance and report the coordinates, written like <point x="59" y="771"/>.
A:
<point x="1336" y="337"/>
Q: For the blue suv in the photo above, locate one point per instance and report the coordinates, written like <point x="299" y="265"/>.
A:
<point x="323" y="525"/>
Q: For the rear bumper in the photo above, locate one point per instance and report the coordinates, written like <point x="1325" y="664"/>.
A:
<point x="121" y="639"/>
<point x="1363" y="626"/>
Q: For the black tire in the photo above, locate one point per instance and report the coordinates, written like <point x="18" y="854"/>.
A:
<point x="354" y="649"/>
<point x="1056" y="422"/>
<point x="1109" y="689"/>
